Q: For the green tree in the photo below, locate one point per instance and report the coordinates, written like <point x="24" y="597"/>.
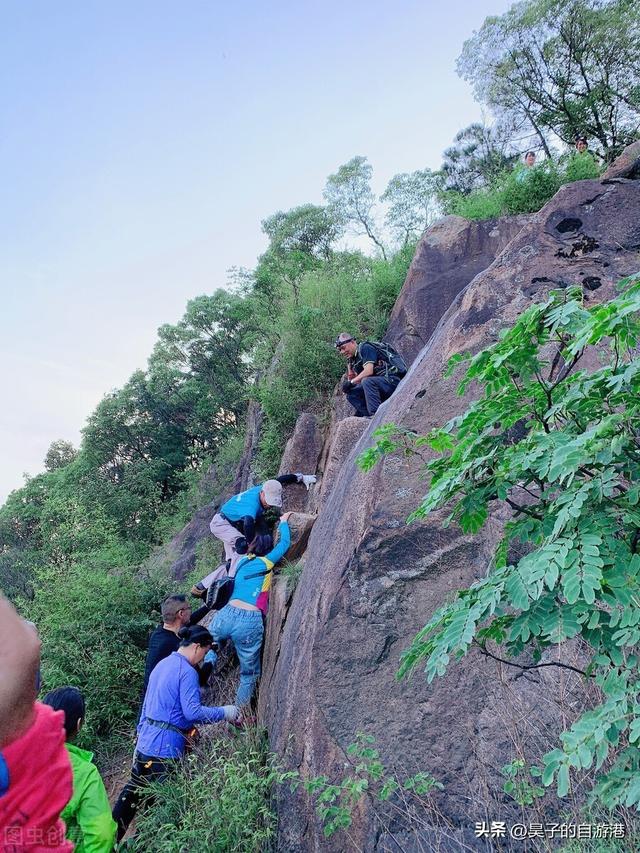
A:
<point x="300" y="240"/>
<point x="560" y="447"/>
<point x="352" y="201"/>
<point x="309" y="229"/>
<point x="476" y="158"/>
<point x="59" y="454"/>
<point x="561" y="67"/>
<point x="413" y="203"/>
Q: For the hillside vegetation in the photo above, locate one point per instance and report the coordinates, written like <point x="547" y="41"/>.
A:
<point x="75" y="540"/>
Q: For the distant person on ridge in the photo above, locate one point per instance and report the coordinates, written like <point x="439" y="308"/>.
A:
<point x="242" y="517"/>
<point x="582" y="144"/>
<point x="171" y="709"/>
<point x="87" y="815"/>
<point x="525" y="170"/>
<point x="582" y="150"/>
<point x="241" y="620"/>
<point x="374" y="371"/>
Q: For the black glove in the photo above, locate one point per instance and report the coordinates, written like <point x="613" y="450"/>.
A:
<point x="347" y="386"/>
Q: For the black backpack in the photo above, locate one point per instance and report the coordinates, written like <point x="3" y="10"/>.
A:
<point x="390" y="355"/>
<point x="221" y="591"/>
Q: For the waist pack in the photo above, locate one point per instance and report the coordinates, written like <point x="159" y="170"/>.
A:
<point x="191" y="735"/>
<point x="396" y="365"/>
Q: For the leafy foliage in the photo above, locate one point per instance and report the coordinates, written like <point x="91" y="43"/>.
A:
<point x="477" y="157"/>
<point x="218" y="800"/>
<point x="335" y="803"/>
<point x="352" y="201"/>
<point x="521" y="190"/>
<point x="94" y="636"/>
<point x="558" y="68"/>
<point x="518" y="784"/>
<point x="59" y="454"/>
<point x="558" y="445"/>
<point x="413" y="204"/>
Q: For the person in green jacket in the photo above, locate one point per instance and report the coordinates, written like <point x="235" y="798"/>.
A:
<point x="87" y="815"/>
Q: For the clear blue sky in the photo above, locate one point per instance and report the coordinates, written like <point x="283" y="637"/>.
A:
<point x="142" y="142"/>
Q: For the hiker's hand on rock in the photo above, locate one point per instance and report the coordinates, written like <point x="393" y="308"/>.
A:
<point x="19" y="661"/>
<point x="286" y="516"/>
<point x="231" y="713"/>
<point x="308" y="480"/>
<point x="347" y="386"/>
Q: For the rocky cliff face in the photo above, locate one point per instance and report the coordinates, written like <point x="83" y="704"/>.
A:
<point x="450" y="254"/>
<point x="370" y="581"/>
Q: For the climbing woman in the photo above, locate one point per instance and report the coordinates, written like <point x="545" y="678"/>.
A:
<point x="241" y="619"/>
<point x="170" y="710"/>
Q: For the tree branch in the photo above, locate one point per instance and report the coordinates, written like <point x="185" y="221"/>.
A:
<point x="525" y="667"/>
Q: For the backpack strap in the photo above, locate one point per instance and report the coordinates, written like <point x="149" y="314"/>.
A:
<point x="257" y="574"/>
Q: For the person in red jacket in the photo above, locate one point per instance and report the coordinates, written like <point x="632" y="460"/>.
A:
<point x="35" y="771"/>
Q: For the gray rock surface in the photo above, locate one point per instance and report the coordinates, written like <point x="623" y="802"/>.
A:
<point x="301" y="454"/>
<point x="627" y="165"/>
<point x="450" y="253"/>
<point x="370" y="581"/>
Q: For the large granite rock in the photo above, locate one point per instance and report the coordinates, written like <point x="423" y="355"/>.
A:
<point x="301" y="454"/>
<point x="370" y="581"/>
<point x="450" y="253"/>
<point x="627" y="165"/>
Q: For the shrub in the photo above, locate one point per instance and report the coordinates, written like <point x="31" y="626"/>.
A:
<point x="581" y="167"/>
<point x="292" y="573"/>
<point x="526" y="191"/>
<point x="218" y="800"/>
<point x="351" y="292"/>
<point x="480" y="204"/>
<point x="521" y="190"/>
<point x="94" y="622"/>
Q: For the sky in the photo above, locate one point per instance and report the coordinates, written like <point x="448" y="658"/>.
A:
<point x="141" y="145"/>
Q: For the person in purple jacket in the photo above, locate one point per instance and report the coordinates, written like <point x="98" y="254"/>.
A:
<point x="170" y="710"/>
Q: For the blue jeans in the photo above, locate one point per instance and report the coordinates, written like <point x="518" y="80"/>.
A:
<point x="246" y="630"/>
<point x="368" y="394"/>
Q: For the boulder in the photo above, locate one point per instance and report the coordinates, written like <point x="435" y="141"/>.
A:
<point x="300" y="524"/>
<point x="342" y="439"/>
<point x="370" y="581"/>
<point x="301" y="454"/>
<point x="627" y="165"/>
<point x="450" y="253"/>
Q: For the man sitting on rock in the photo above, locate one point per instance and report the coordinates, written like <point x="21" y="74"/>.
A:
<point x="374" y="371"/>
<point x="242" y="518"/>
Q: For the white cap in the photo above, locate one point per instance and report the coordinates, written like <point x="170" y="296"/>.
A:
<point x="272" y="491"/>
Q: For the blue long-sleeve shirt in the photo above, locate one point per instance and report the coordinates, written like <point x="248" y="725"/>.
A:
<point x="245" y="510"/>
<point x="253" y="576"/>
<point x="173" y="696"/>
